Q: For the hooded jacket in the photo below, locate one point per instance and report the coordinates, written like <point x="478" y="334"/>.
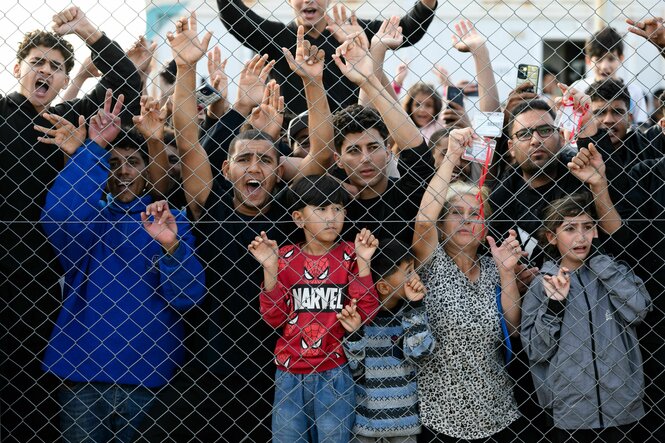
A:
<point x="119" y="321"/>
<point x="585" y="358"/>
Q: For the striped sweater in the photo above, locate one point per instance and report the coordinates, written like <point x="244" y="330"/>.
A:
<point x="383" y="358"/>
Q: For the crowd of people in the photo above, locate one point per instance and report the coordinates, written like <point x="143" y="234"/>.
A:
<point x="316" y="262"/>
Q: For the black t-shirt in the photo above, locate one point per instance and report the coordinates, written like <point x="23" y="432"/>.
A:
<point x="645" y="244"/>
<point x="391" y="216"/>
<point x="236" y="339"/>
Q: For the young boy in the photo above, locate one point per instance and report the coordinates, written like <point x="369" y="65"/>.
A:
<point x="384" y="354"/>
<point x="603" y="54"/>
<point x="305" y="289"/>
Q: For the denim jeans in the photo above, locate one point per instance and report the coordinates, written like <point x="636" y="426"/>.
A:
<point x="102" y="412"/>
<point x="317" y="407"/>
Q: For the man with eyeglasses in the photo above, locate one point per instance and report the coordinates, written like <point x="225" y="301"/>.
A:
<point x="29" y="287"/>
<point x="540" y="173"/>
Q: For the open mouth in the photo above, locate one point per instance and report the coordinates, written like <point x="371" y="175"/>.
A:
<point x="253" y="186"/>
<point x="41" y="87"/>
<point x="309" y="13"/>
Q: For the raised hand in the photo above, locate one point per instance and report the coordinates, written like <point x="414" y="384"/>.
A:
<point x="357" y="65"/>
<point x="459" y="140"/>
<point x="557" y="286"/>
<point x="269" y="115"/>
<point x="151" y="121"/>
<point x="588" y="166"/>
<point x="265" y="251"/>
<point x="252" y="82"/>
<point x="339" y="26"/>
<point x="88" y="69"/>
<point x="443" y="75"/>
<point x="366" y="245"/>
<point x="414" y="289"/>
<point x="309" y="60"/>
<point x="219" y="80"/>
<point x="521" y="93"/>
<point x="104" y="126"/>
<point x="163" y="226"/>
<point x="141" y="54"/>
<point x="389" y="35"/>
<point x="508" y="254"/>
<point x="455" y="116"/>
<point x="74" y="21"/>
<point x="65" y="135"/>
<point x="185" y="45"/>
<point x="349" y="317"/>
<point x="401" y="73"/>
<point x="466" y="38"/>
<point x="651" y="29"/>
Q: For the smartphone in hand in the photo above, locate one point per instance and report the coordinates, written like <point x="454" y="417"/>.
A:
<point x="528" y="73"/>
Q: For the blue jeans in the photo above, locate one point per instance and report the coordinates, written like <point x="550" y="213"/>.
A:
<point x="316" y="407"/>
<point x="102" y="412"/>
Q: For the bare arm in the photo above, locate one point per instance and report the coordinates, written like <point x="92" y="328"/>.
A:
<point x="426" y="233"/>
<point x="197" y="175"/>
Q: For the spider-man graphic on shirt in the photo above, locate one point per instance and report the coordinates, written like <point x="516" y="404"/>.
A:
<point x="310" y="291"/>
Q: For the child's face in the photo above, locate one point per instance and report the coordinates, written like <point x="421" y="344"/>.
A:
<point x="422" y="109"/>
<point x="463" y="225"/>
<point x="606" y="66"/>
<point x="395" y="282"/>
<point x="573" y="239"/>
<point x="321" y="223"/>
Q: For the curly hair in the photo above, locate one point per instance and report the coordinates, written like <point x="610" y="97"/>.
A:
<point x="357" y="119"/>
<point x="49" y="40"/>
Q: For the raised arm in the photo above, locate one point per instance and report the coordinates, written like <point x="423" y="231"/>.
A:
<point x="651" y="29"/>
<point x="249" y="28"/>
<point x="358" y="67"/>
<point x="426" y="233"/>
<point x="414" y="24"/>
<point x="196" y="171"/>
<point x="308" y="63"/>
<point x="151" y="125"/>
<point x="467" y="39"/>
<point x="118" y="71"/>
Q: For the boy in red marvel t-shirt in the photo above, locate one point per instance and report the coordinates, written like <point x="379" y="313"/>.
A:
<point x="306" y="287"/>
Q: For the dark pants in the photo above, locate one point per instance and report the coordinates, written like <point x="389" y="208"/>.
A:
<point x="211" y="408"/>
<point x="651" y="428"/>
<point x="28" y="397"/>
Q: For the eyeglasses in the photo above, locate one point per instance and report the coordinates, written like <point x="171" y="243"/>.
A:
<point x="544" y="131"/>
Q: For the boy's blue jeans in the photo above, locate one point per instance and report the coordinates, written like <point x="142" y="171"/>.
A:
<point x="102" y="412"/>
<point x="317" y="407"/>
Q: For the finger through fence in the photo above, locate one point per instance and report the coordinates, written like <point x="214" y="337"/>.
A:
<point x="306" y="221"/>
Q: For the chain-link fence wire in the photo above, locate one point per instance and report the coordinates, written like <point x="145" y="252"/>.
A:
<point x="123" y="321"/>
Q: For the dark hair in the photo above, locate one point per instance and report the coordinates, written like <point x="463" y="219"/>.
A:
<point x="357" y="119"/>
<point x="169" y="72"/>
<point x="130" y="138"/>
<point x="438" y="135"/>
<point x="526" y="106"/>
<point x="388" y="257"/>
<point x="429" y="91"/>
<point x="609" y="90"/>
<point x="556" y="211"/>
<point x="252" y="134"/>
<point x="50" y="40"/>
<point x="169" y="137"/>
<point x="603" y="42"/>
<point x="317" y="190"/>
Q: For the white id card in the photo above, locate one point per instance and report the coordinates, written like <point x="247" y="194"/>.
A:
<point x="488" y="124"/>
<point x="481" y="151"/>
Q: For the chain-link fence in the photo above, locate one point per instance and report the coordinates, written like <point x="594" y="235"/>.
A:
<point x="300" y="221"/>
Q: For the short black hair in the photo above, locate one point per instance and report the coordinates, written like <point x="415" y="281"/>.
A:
<point x="609" y="90"/>
<point x="50" y="40"/>
<point x="535" y="104"/>
<point x="357" y="119"/>
<point x="169" y="137"/>
<point x="169" y="72"/>
<point x="603" y="42"/>
<point x="388" y="258"/>
<point x="131" y="138"/>
<point x="316" y="190"/>
<point x="252" y="134"/>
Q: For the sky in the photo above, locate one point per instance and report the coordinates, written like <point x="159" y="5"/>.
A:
<point x="112" y="16"/>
